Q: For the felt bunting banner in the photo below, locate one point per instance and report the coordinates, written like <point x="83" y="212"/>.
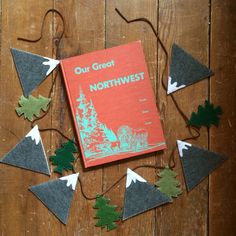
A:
<point x="57" y="195"/>
<point x="64" y="157"/>
<point x="32" y="106"/>
<point x="141" y="196"/>
<point x="29" y="154"/>
<point x="206" y="115"/>
<point x="168" y="183"/>
<point x="197" y="163"/>
<point x="32" y="69"/>
<point x="106" y="213"/>
<point x="185" y="70"/>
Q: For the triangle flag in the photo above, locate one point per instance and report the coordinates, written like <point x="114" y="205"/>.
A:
<point x="57" y="195"/>
<point x="32" y="69"/>
<point x="141" y="196"/>
<point x="197" y="163"/>
<point x="185" y="70"/>
<point x="29" y="154"/>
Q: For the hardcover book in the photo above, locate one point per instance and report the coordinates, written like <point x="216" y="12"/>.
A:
<point x="113" y="105"/>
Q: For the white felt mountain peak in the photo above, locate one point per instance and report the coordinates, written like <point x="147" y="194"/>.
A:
<point x="34" y="134"/>
<point x="182" y="146"/>
<point x="71" y="180"/>
<point x="133" y="177"/>
<point x="52" y="63"/>
<point x="172" y="86"/>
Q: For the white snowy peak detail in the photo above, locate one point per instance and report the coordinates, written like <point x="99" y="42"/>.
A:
<point x="182" y="145"/>
<point x="51" y="63"/>
<point x="133" y="177"/>
<point x="34" y="134"/>
<point x="172" y="87"/>
<point x="71" y="180"/>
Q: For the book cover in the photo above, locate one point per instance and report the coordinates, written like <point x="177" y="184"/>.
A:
<point x="113" y="105"/>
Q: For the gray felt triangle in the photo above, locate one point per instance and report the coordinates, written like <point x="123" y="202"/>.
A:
<point x="197" y="163"/>
<point x="140" y="196"/>
<point x="57" y="195"/>
<point x="29" y="154"/>
<point x="185" y="70"/>
<point x="32" y="69"/>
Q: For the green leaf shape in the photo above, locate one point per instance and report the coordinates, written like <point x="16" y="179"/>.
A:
<point x="31" y="106"/>
<point x="168" y="183"/>
<point x="106" y="213"/>
<point x="206" y="115"/>
<point x="64" y="157"/>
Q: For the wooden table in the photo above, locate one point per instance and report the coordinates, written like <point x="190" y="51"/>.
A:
<point x="205" y="28"/>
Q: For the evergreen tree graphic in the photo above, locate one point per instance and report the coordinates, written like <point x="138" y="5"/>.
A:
<point x="106" y="213"/>
<point x="93" y="115"/>
<point x="168" y="183"/>
<point x="64" y="157"/>
<point x="83" y="105"/>
<point x="100" y="141"/>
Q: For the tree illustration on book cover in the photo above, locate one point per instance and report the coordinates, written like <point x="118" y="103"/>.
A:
<point x="113" y="105"/>
<point x="98" y="140"/>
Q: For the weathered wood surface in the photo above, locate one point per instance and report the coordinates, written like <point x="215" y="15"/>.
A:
<point x="205" y="28"/>
<point x="222" y="191"/>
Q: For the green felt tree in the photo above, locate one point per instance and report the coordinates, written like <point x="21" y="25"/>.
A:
<point x="206" y="116"/>
<point x="106" y="213"/>
<point x="31" y="106"/>
<point x="64" y="157"/>
<point x="168" y="183"/>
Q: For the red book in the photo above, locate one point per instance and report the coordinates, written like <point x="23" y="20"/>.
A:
<point x="113" y="105"/>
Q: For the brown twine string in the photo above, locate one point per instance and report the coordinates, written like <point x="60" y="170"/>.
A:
<point x="58" y="40"/>
<point x="116" y="182"/>
<point x="57" y="44"/>
<point x="171" y="161"/>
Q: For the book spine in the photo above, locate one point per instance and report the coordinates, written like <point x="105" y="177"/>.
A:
<point x="72" y="109"/>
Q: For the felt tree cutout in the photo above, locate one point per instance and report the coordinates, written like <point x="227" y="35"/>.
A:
<point x="106" y="214"/>
<point x="64" y="157"/>
<point x="206" y="116"/>
<point x="31" y="106"/>
<point x="168" y="183"/>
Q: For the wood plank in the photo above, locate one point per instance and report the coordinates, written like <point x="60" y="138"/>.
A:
<point x="92" y="25"/>
<point x="82" y="35"/>
<point x="18" y="204"/>
<point x="222" y="204"/>
<point x="119" y="32"/>
<point x="185" y="23"/>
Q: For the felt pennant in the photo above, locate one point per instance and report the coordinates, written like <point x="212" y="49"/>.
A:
<point x="168" y="183"/>
<point x="197" y="163"/>
<point x="31" y="106"/>
<point x="185" y="70"/>
<point x="206" y="115"/>
<point x="64" y="157"/>
<point x="106" y="213"/>
<point x="29" y="154"/>
<point x="141" y="196"/>
<point x="32" y="69"/>
<point x="57" y="195"/>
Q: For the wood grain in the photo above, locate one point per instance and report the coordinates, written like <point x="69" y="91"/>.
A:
<point x="119" y="32"/>
<point x="79" y="38"/>
<point x="222" y="197"/>
<point x="19" y="209"/>
<point x="179" y="22"/>
<point x="210" y="209"/>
